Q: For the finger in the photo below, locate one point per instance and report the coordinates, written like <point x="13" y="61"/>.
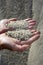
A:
<point x="12" y="19"/>
<point x="31" y="27"/>
<point x="28" y="19"/>
<point x="31" y="21"/>
<point x="34" y="38"/>
<point x="21" y="48"/>
<point x="3" y="30"/>
<point x="4" y="21"/>
<point x="31" y="40"/>
<point x="31" y="24"/>
<point x="32" y="31"/>
<point x="36" y="32"/>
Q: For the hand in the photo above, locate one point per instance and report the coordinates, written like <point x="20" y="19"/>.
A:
<point x="17" y="45"/>
<point x="11" y="43"/>
<point x="3" y="24"/>
<point x="14" y="44"/>
<point x="5" y="21"/>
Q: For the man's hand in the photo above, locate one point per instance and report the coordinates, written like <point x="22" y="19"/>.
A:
<point x="14" y="44"/>
<point x="11" y="43"/>
<point x="5" y="21"/>
<point x="17" y="45"/>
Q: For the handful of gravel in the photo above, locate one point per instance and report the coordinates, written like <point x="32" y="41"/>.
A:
<point x="20" y="35"/>
<point x="17" y="25"/>
<point x="20" y="30"/>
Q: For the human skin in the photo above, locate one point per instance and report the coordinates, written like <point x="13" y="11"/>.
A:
<point x="15" y="44"/>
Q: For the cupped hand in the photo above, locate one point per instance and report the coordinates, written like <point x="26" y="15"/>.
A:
<point x="14" y="44"/>
<point x="3" y="23"/>
<point x="17" y="45"/>
<point x="11" y="43"/>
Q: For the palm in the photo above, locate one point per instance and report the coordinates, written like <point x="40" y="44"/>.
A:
<point x="11" y="44"/>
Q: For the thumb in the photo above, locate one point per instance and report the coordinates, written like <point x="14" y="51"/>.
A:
<point x="12" y="19"/>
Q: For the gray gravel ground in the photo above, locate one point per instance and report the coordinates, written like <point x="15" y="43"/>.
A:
<point x="19" y="9"/>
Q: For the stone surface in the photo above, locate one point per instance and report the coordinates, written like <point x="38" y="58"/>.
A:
<point x="36" y="52"/>
<point x="19" y="9"/>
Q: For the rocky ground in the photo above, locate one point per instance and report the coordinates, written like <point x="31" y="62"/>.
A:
<point x="36" y="52"/>
<point x="19" y="9"/>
